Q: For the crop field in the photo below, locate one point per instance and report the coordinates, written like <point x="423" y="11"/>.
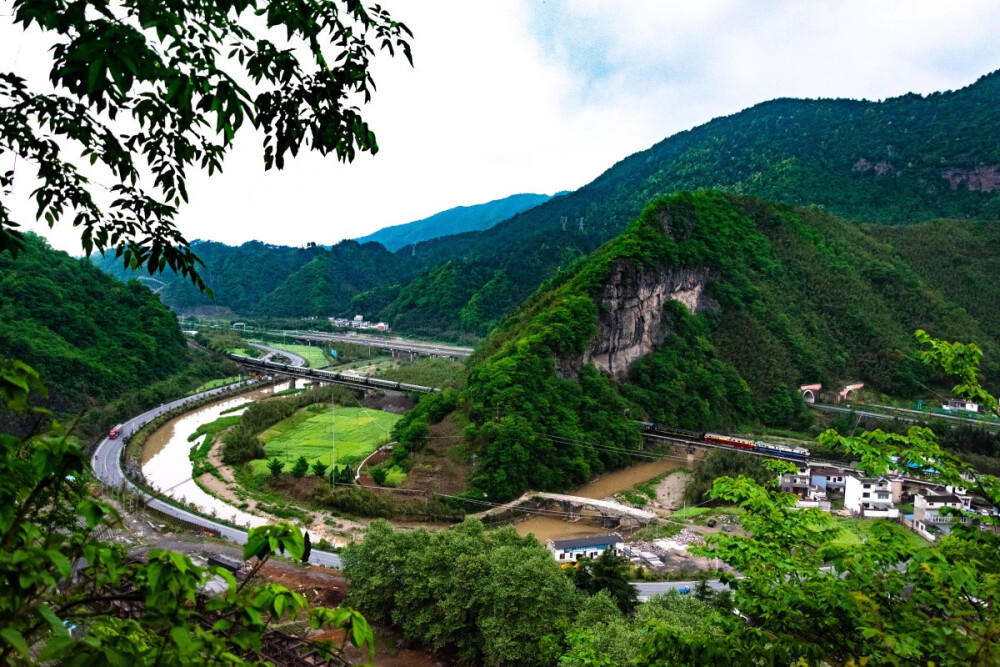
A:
<point x="309" y="433"/>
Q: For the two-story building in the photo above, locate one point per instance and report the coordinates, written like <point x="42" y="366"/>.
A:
<point x="927" y="506"/>
<point x="798" y="482"/>
<point x="829" y="479"/>
<point x="568" y="551"/>
<point x="870" y="496"/>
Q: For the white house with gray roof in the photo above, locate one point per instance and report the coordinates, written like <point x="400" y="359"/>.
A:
<point x="569" y="551"/>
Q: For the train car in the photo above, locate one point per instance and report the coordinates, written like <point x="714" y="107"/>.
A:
<point x="677" y="432"/>
<point x="729" y="440"/>
<point x="116" y="431"/>
<point x="785" y="451"/>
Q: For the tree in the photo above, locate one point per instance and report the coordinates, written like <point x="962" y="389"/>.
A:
<point x="146" y="91"/>
<point x="300" y="468"/>
<point x="345" y="475"/>
<point x="885" y="601"/>
<point x="319" y="469"/>
<point x="609" y="573"/>
<point x="275" y="465"/>
<point x="488" y="595"/>
<point x="55" y="573"/>
<point x="702" y="591"/>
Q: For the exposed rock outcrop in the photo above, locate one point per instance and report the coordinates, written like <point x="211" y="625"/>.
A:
<point x="981" y="179"/>
<point x="630" y="315"/>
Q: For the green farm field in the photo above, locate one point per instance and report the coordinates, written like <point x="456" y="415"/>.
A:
<point x="308" y="433"/>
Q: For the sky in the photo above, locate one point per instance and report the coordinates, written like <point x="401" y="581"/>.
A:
<point x="509" y="96"/>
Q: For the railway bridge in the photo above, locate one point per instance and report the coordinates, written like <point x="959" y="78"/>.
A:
<point x="336" y="377"/>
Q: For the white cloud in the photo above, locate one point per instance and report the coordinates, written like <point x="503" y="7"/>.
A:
<point x="524" y="96"/>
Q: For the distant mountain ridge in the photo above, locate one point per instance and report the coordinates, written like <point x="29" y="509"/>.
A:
<point x="454" y="221"/>
<point x="900" y="161"/>
<point x="903" y="160"/>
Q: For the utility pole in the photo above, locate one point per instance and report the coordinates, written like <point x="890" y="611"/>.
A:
<point x="333" y="439"/>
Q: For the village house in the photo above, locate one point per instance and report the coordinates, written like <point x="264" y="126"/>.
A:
<point x="568" y="551"/>
<point x="829" y="479"/>
<point x="871" y="496"/>
<point x="927" y="506"/>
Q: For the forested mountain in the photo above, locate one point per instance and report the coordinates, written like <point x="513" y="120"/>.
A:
<point x="262" y="279"/>
<point x="902" y="160"/>
<point x="454" y="221"/>
<point x="87" y="334"/>
<point x="708" y="312"/>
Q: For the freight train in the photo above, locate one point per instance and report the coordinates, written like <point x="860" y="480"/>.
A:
<point x="332" y="376"/>
<point x="759" y="446"/>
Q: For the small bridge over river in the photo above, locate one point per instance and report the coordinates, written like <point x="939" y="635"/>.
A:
<point x="572" y="506"/>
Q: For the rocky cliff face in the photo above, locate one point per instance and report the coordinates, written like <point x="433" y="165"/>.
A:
<point x="630" y="315"/>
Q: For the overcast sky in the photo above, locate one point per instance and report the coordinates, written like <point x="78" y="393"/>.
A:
<point x="510" y="96"/>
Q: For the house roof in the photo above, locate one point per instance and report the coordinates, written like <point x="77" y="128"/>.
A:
<point x="871" y="480"/>
<point x="836" y="472"/>
<point x="592" y="541"/>
<point x="943" y="499"/>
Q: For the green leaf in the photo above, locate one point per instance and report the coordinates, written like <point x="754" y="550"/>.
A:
<point x="14" y="638"/>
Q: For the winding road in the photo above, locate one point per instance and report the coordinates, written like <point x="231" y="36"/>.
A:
<point x="107" y="464"/>
<point x="107" y="460"/>
<point x="293" y="359"/>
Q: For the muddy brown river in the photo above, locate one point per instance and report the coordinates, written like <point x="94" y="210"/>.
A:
<point x="551" y="527"/>
<point x="167" y="466"/>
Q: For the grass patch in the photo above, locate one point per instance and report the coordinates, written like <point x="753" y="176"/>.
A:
<point x="634" y="498"/>
<point x="853" y="531"/>
<point x="210" y="430"/>
<point x="213" y="384"/>
<point x="691" y="513"/>
<point x="427" y="371"/>
<point x="309" y="433"/>
<point x="395" y="477"/>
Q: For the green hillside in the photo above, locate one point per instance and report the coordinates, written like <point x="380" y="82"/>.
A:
<point x="88" y="335"/>
<point x="454" y="221"/>
<point x="902" y="160"/>
<point x="262" y="279"/>
<point x="783" y="296"/>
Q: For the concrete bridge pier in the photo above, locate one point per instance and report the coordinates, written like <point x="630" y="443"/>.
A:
<point x="609" y="521"/>
<point x="571" y="510"/>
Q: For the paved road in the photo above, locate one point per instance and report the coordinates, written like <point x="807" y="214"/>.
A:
<point x="649" y="588"/>
<point x="397" y="344"/>
<point x="294" y="359"/>
<point x="107" y="465"/>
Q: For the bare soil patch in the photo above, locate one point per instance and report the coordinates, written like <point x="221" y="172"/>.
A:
<point x="670" y="492"/>
<point x="444" y="464"/>
<point x="395" y="403"/>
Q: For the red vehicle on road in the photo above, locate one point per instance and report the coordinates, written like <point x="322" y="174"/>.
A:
<point x="116" y="431"/>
